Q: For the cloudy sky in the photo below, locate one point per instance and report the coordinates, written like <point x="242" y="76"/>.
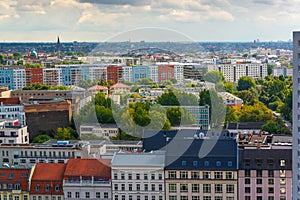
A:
<point x="106" y="20"/>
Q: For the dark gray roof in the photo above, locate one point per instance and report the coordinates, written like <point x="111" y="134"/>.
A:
<point x="269" y="158"/>
<point x="201" y="154"/>
<point x="245" y="125"/>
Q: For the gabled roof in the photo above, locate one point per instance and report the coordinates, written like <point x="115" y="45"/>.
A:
<point x="48" y="172"/>
<point x="119" y="85"/>
<point x="14" y="175"/>
<point x="88" y="167"/>
<point x="97" y="87"/>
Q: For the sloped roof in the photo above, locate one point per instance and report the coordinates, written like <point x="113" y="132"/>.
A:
<point x="97" y="87"/>
<point x="14" y="175"/>
<point x="88" y="167"/>
<point x="119" y="85"/>
<point x="154" y="159"/>
<point x="49" y="172"/>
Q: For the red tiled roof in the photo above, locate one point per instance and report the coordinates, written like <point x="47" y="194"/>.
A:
<point x="88" y="167"/>
<point x="97" y="87"/>
<point x="119" y="85"/>
<point x="49" y="172"/>
<point x="14" y="176"/>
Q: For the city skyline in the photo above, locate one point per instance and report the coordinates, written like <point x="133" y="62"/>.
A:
<point x="103" y="20"/>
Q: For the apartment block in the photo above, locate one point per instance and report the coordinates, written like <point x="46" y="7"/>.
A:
<point x="165" y="72"/>
<point x="52" y="76"/>
<point x="106" y="131"/>
<point x="34" y="75"/>
<point x="13" y="111"/>
<point x="19" y="80"/>
<point x="138" y="176"/>
<point x="139" y="72"/>
<point x="87" y="179"/>
<point x="12" y="133"/>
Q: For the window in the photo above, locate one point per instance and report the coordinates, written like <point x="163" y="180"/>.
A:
<point x="37" y="187"/>
<point x="16" y="198"/>
<point x="145" y="176"/>
<point x="282" y="163"/>
<point x="218" y="198"/>
<point x="105" y="195"/>
<point x="282" y="190"/>
<point x="122" y="176"/>
<point x="138" y="197"/>
<point x="130" y="197"/>
<point x="77" y="195"/>
<point x="207" y="198"/>
<point x="247" y="173"/>
<point x="183" y="197"/>
<point x="130" y="187"/>
<point x="172" y="187"/>
<point x="172" y="197"/>
<point x="123" y="197"/>
<point x="195" y="175"/>
<point x="153" y="197"/>
<point x="259" y="162"/>
<point x="270" y="162"/>
<point x="282" y="181"/>
<point x="116" y="186"/>
<point x="271" y="190"/>
<point x="137" y="176"/>
<point x="206" y="175"/>
<point x="282" y="173"/>
<point x="195" y="188"/>
<point x="160" y="187"/>
<point x="160" y="176"/>
<point x="229" y="175"/>
<point x="98" y="195"/>
<point x="229" y="163"/>
<point x="218" y="188"/>
<point x="271" y="181"/>
<point x="183" y="163"/>
<point x="247" y="162"/>
<point x="153" y="187"/>
<point x="270" y="173"/>
<point x="69" y="194"/>
<point x="172" y="174"/>
<point x="138" y="187"/>
<point x="195" y="197"/>
<point x="258" y="190"/>
<point x="206" y="188"/>
<point x="259" y="198"/>
<point x="206" y="163"/>
<point x="259" y="173"/>
<point x="247" y="198"/>
<point x="17" y="186"/>
<point x="115" y="176"/>
<point x="116" y="197"/>
<point x="218" y="175"/>
<point x="247" y="189"/>
<point x="183" y="187"/>
<point x="129" y="176"/>
<point x="218" y="163"/>
<point x="47" y="187"/>
<point x="87" y="195"/>
<point x="183" y="174"/>
<point x="259" y="181"/>
<point x="56" y="188"/>
<point x="152" y="176"/>
<point x="247" y="181"/>
<point x="229" y="188"/>
<point x="146" y="187"/>
<point x="271" y="198"/>
<point x="195" y="163"/>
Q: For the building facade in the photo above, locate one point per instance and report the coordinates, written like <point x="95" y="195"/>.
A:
<point x="138" y="176"/>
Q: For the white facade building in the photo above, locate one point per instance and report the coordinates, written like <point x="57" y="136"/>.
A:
<point x="13" y="112"/>
<point x="11" y="133"/>
<point x="52" y="76"/>
<point x="106" y="131"/>
<point x="234" y="71"/>
<point x="153" y="73"/>
<point x="178" y="73"/>
<point x="127" y="73"/>
<point x="19" y="78"/>
<point x="138" y="176"/>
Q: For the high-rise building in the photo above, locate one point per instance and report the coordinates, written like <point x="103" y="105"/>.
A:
<point x="296" y="114"/>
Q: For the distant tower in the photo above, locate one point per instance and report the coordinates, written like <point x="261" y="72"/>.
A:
<point x="58" y="47"/>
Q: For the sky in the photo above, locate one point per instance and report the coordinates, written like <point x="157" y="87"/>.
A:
<point x="148" y="20"/>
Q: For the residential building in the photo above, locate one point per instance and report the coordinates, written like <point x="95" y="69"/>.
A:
<point x="13" y="111"/>
<point x="47" y="181"/>
<point x="153" y="73"/>
<point x="98" y="88"/>
<point x="138" y="176"/>
<point x="127" y="73"/>
<point x="97" y="73"/>
<point x="14" y="184"/>
<point x="139" y="72"/>
<point x="201" y="168"/>
<point x="233" y="71"/>
<point x="106" y="131"/>
<point x="245" y="127"/>
<point x="114" y="73"/>
<point x="25" y="155"/>
<point x="13" y="133"/>
<point x="52" y="76"/>
<point x="231" y="100"/>
<point x="265" y="173"/>
<point x="34" y="75"/>
<point x="7" y="78"/>
<point x="19" y="78"/>
<point x="87" y="179"/>
<point x="296" y="115"/>
<point x="119" y="88"/>
<point x="165" y="72"/>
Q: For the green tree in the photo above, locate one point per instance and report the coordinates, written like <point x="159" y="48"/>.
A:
<point x="178" y="116"/>
<point x="174" y="80"/>
<point x="41" y="138"/>
<point x="229" y="87"/>
<point x="256" y="113"/>
<point x="65" y="134"/>
<point x="145" y="81"/>
<point x="247" y="97"/>
<point x="213" y="76"/>
<point x="168" y="99"/>
<point x="245" y="83"/>
<point x="231" y="115"/>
